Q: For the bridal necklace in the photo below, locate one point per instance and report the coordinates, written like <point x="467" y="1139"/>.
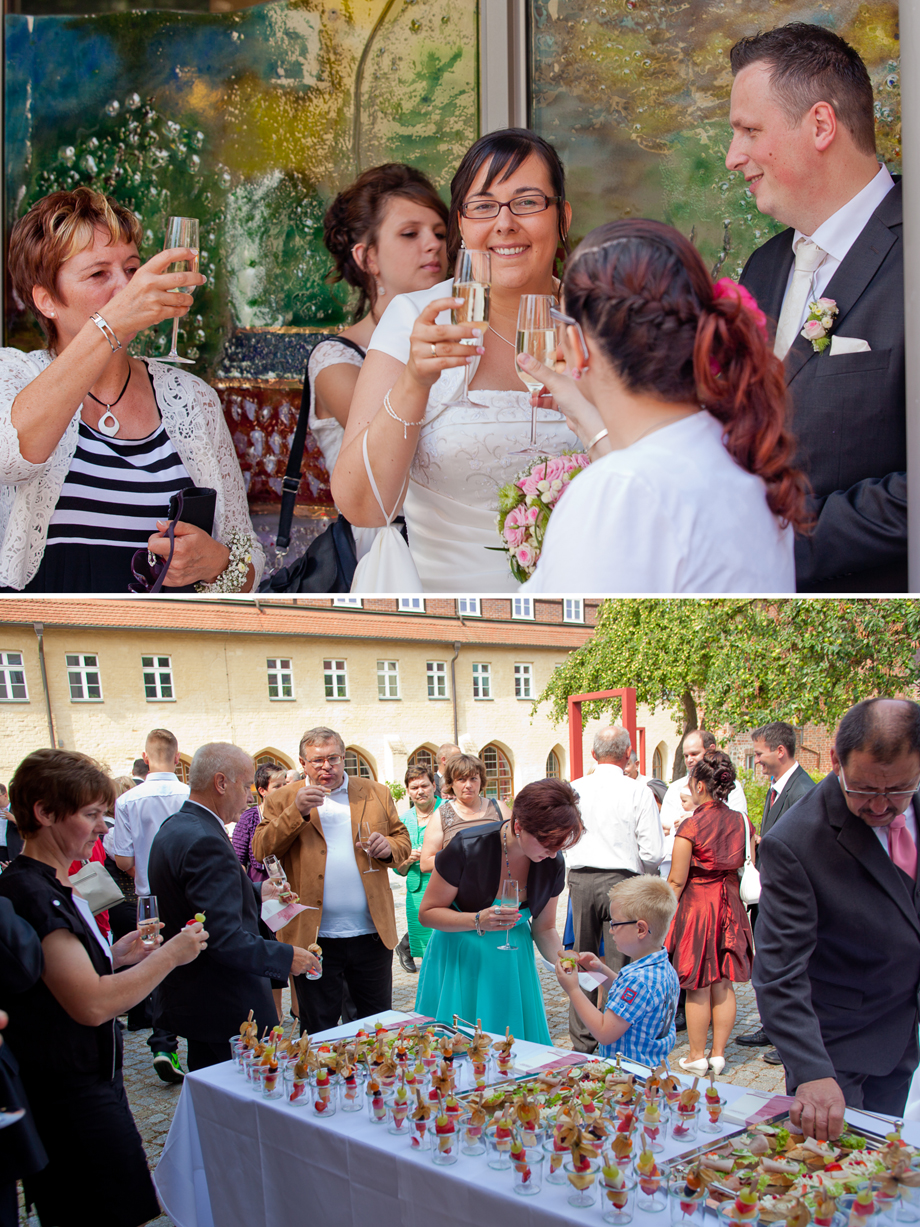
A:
<point x="109" y="424"/>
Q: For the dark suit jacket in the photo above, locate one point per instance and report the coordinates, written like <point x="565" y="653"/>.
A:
<point x="193" y="868"/>
<point x="837" y="966"/>
<point x="799" y="783"/>
<point x="21" y="964"/>
<point x="849" y="411"/>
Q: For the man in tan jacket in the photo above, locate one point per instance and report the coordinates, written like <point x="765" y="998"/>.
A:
<point x="315" y="827"/>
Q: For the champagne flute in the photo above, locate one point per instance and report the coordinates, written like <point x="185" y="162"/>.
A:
<point x="276" y="874"/>
<point x="536" y="335"/>
<point x="148" y="920"/>
<point x="508" y="902"/>
<point x="366" y="832"/>
<point x="181" y="232"/>
<point x="472" y="282"/>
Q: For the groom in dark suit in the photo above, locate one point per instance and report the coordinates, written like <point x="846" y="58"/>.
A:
<point x="804" y="140"/>
<point x="837" y="967"/>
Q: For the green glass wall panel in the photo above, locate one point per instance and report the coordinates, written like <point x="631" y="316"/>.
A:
<point x="635" y="95"/>
<point x="250" y="121"/>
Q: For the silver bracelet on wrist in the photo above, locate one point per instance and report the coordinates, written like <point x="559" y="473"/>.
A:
<point x="106" y="331"/>
<point x="395" y="416"/>
<point x="601" y="434"/>
<point x="233" y="577"/>
<point x="478" y="925"/>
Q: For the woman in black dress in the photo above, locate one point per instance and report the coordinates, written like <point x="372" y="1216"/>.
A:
<point x="63" y="1027"/>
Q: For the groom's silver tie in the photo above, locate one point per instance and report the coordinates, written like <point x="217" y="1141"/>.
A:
<point x="808" y="257"/>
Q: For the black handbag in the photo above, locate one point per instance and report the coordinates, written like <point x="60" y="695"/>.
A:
<point x="330" y="561"/>
<point x="194" y="505"/>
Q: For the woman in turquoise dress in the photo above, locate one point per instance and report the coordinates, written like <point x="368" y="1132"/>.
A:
<point x="465" y="971"/>
<point x="420" y="785"/>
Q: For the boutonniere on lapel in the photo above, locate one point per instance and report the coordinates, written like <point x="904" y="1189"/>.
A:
<point x="819" y="322"/>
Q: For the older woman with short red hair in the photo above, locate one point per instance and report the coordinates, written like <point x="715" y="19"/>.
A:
<point x="469" y="969"/>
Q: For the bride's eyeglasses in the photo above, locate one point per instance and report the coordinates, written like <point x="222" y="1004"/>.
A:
<point x="521" y="206"/>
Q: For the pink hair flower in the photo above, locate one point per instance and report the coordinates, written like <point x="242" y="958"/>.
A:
<point x="726" y="288"/>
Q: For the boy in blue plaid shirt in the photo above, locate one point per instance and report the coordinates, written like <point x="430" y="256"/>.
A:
<point x="642" y="999"/>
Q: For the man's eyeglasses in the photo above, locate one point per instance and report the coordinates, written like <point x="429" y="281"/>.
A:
<point x="888" y="794"/>
<point x="615" y="924"/>
<point x="331" y="760"/>
<point x="521" y="206"/>
<point x="561" y="318"/>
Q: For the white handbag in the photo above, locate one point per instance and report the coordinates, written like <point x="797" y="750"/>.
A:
<point x="750" y="876"/>
<point x="387" y="567"/>
<point x="97" y="886"/>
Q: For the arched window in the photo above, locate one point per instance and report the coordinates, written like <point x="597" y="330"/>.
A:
<point x="182" y="768"/>
<point x="357" y="765"/>
<point x="272" y="756"/>
<point x="499" y="782"/>
<point x="423" y="757"/>
<point x="658" y="762"/>
<point x="553" y="766"/>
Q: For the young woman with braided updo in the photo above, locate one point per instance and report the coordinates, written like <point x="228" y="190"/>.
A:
<point x="673" y="389"/>
<point x="710" y="942"/>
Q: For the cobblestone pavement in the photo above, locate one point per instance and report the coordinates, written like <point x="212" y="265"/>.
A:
<point x="153" y="1102"/>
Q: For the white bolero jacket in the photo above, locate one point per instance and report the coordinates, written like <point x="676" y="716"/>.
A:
<point x="194" y="421"/>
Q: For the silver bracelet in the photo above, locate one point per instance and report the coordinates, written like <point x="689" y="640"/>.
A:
<point x="395" y="416"/>
<point x="478" y="925"/>
<point x="233" y="577"/>
<point x="106" y="331"/>
<point x="601" y="434"/>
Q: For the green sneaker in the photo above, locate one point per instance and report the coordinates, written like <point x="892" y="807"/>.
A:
<point x="167" y="1066"/>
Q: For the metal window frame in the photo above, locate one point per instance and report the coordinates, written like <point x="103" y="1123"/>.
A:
<point x="581" y="603"/>
<point x="157" y="670"/>
<point x="520" y="678"/>
<point x="279" y="674"/>
<point x="383" y="676"/>
<point x="479" y="677"/>
<point x="81" y="669"/>
<point x="432" y="674"/>
<point x="523" y="617"/>
<point x="334" y="673"/>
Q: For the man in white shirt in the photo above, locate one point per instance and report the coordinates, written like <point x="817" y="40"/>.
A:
<point x="622" y="838"/>
<point x="139" y="814"/>
<point x="695" y="745"/>
<point x="804" y="140"/>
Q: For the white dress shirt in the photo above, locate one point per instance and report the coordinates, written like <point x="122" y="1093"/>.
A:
<point x="622" y="829"/>
<point x="841" y="230"/>
<point x="139" y="814"/>
<point x="345" y="909"/>
<point x="780" y="782"/>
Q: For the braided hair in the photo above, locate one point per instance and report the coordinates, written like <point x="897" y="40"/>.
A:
<point x="643" y="293"/>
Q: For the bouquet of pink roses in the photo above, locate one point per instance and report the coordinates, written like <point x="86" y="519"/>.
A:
<point x="525" y="505"/>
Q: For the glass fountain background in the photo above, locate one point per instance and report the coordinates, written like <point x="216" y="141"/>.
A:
<point x="253" y="119"/>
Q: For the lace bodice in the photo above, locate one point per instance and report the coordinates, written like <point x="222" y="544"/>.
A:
<point x="326" y="431"/>
<point x="193" y="420"/>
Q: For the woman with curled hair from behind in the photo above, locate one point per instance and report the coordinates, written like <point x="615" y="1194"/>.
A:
<point x="467" y="969"/>
<point x="710" y="942"/>
<point x="675" y="393"/>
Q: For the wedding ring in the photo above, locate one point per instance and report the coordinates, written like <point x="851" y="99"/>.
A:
<point x="434" y="350"/>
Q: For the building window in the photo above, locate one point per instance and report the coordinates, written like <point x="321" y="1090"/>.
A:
<point x="353" y="602"/>
<point x="573" y="609"/>
<point x="522" y="607"/>
<point x="335" y="679"/>
<point x="553" y="766"/>
<point x="83" y="677"/>
<point x="482" y="681"/>
<point x="750" y="762"/>
<point x="411" y="604"/>
<point x="357" y="765"/>
<point x="183" y="769"/>
<point x="280" y="678"/>
<point x="437" y="679"/>
<point x="658" y="764"/>
<point x="387" y="679"/>
<point x="423" y="757"/>
<point x="523" y="677"/>
<point x="12" y="678"/>
<point x="158" y="678"/>
<point x="469" y="606"/>
<point x="499" y="783"/>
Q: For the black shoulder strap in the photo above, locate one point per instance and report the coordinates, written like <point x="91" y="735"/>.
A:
<point x="290" y="483"/>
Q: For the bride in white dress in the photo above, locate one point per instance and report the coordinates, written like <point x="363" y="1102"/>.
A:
<point x="444" y="464"/>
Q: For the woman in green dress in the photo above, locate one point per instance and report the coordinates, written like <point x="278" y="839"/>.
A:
<point x="420" y="786"/>
<point x="468" y="969"/>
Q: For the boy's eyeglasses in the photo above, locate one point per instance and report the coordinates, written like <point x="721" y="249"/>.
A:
<point x="561" y="318"/>
<point x="615" y="924"/>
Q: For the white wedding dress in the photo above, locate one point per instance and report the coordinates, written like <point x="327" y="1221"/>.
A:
<point x="462" y="461"/>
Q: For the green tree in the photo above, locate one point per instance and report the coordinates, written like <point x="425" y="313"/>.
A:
<point x="744" y="662"/>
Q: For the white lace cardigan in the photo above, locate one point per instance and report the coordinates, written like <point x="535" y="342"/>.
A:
<point x="29" y="492"/>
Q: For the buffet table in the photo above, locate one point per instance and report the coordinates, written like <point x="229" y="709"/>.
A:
<point x="235" y="1159"/>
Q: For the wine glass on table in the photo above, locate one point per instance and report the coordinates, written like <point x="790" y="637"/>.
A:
<point x="536" y="335"/>
<point x="508" y="902"/>
<point x="148" y="920"/>
<point x="181" y="232"/>
<point x="472" y="283"/>
<point x="365" y="837"/>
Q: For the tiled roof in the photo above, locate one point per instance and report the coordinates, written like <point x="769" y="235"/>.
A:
<point x="248" y="616"/>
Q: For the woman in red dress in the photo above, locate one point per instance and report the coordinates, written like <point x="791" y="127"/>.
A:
<point x="710" y="942"/>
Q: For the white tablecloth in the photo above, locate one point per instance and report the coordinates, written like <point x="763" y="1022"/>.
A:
<point x="234" y="1159"/>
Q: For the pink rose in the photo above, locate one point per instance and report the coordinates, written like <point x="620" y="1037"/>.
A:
<point x="555" y="468"/>
<point x="515" y="517"/>
<point x="582" y="460"/>
<point x="531" y="515"/>
<point x="529" y="485"/>
<point x="513" y="537"/>
<point x="813" y="330"/>
<point x="827" y="305"/>
<point x="526" y="556"/>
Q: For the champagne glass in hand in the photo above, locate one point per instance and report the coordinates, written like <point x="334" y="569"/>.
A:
<point x="472" y="282"/>
<point x="508" y="902"/>
<point x="148" y="920"/>
<point x="536" y="335"/>
<point x="365" y="836"/>
<point x="181" y="232"/>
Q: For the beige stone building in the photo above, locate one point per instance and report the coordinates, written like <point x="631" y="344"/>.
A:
<point x="395" y="676"/>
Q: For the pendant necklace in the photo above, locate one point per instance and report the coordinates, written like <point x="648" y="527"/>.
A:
<point x="501" y="338"/>
<point x="112" y="426"/>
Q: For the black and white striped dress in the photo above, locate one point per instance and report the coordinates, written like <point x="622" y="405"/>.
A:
<point x="111" y="499"/>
